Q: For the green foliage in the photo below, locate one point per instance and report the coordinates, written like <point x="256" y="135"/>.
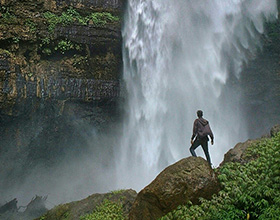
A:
<point x="250" y="191"/>
<point x="106" y="211"/>
<point x="3" y="51"/>
<point x="61" y="212"/>
<point x="72" y="16"/>
<point x="31" y="25"/>
<point x="6" y="14"/>
<point x="16" y="40"/>
<point x="80" y="60"/>
<point x="64" y="45"/>
<point x="118" y="191"/>
<point x="52" y="19"/>
<point x="47" y="47"/>
<point x="102" y="18"/>
<point x="45" y="41"/>
<point x="47" y="51"/>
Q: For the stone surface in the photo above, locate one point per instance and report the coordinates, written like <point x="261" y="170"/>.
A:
<point x="187" y="180"/>
<point x="35" y="208"/>
<point x="27" y="71"/>
<point x="235" y="154"/>
<point x="274" y="130"/>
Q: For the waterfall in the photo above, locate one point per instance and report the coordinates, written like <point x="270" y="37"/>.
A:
<point x="181" y="56"/>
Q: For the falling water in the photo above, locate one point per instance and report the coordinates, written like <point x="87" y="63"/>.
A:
<point x="181" y="56"/>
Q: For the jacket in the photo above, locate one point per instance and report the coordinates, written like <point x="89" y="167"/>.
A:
<point x="201" y="129"/>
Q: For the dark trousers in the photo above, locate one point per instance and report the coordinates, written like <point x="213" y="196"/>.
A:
<point x="204" y="144"/>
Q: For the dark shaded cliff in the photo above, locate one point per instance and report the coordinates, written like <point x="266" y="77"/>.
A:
<point x="260" y="82"/>
<point x="60" y="71"/>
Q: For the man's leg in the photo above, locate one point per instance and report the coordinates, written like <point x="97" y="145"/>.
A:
<point x="194" y="146"/>
<point x="206" y="152"/>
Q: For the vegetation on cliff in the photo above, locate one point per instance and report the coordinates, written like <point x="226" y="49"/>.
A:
<point x="112" y="205"/>
<point x="106" y="211"/>
<point x="73" y="16"/>
<point x="250" y="190"/>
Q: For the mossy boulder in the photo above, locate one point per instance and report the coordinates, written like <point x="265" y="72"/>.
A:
<point x="236" y="154"/>
<point x="187" y="180"/>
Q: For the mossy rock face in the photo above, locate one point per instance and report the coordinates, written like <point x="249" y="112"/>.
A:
<point x="78" y="209"/>
<point x="44" y="43"/>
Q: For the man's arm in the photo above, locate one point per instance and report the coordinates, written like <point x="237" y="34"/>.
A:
<point x="211" y="135"/>
<point x="194" y="131"/>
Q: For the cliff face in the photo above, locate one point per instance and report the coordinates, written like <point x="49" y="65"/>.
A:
<point x="60" y="50"/>
<point x="60" y="65"/>
<point x="260" y="81"/>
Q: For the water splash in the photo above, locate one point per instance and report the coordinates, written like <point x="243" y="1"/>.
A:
<point x="180" y="56"/>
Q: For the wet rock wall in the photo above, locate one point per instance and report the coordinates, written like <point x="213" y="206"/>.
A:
<point x="60" y="88"/>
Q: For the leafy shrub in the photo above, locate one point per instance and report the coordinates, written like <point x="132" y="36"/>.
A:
<point x="64" y="45"/>
<point x="31" y="25"/>
<point x="250" y="191"/>
<point x="7" y="15"/>
<point x="48" y="47"/>
<point x="102" y="18"/>
<point x="106" y="211"/>
<point x="71" y="16"/>
<point x="47" y="51"/>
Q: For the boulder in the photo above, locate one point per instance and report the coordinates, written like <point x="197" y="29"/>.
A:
<point x="274" y="130"/>
<point x="187" y="180"/>
<point x="9" y="207"/>
<point x="235" y="154"/>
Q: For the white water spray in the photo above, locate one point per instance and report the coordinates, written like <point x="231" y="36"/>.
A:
<point x="181" y="56"/>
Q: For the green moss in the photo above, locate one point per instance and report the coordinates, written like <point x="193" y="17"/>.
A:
<point x="66" y="45"/>
<point x="80" y="60"/>
<point x="16" y="40"/>
<point x="7" y="15"/>
<point x="48" y="47"/>
<point x="31" y="25"/>
<point x="47" y="51"/>
<point x="119" y="191"/>
<point x="2" y="51"/>
<point x="72" y="16"/>
<point x="250" y="190"/>
<point x="106" y="211"/>
<point x="61" y="212"/>
<point x="102" y="18"/>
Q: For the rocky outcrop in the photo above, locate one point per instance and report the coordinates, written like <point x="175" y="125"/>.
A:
<point x="238" y="153"/>
<point x="235" y="154"/>
<point x="36" y="207"/>
<point x="274" y="130"/>
<point x="75" y="210"/>
<point x="187" y="180"/>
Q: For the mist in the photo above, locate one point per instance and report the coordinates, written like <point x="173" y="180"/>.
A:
<point x="65" y="157"/>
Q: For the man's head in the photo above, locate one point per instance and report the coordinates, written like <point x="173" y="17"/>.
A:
<point x="199" y="113"/>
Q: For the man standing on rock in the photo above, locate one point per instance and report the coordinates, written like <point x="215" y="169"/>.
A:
<point x="201" y="130"/>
